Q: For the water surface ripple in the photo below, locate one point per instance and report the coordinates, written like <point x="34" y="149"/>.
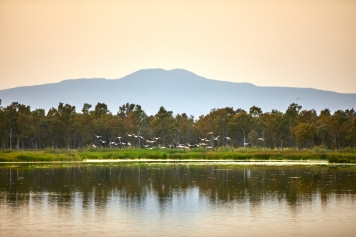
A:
<point x="117" y="199"/>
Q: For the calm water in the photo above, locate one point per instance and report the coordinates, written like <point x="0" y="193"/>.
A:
<point x="177" y="200"/>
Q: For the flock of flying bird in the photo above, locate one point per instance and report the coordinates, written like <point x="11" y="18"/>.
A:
<point x="149" y="144"/>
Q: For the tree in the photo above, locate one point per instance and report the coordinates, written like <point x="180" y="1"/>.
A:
<point x="164" y="125"/>
<point x="24" y="125"/>
<point x="11" y="115"/>
<point x="62" y="127"/>
<point x="255" y="111"/>
<point x="352" y="133"/>
<point x="40" y="134"/>
<point x="275" y="128"/>
<point x="291" y="116"/>
<point x="252" y="137"/>
<point x="185" y="127"/>
<point x="340" y="123"/>
<point x="86" y="108"/>
<point x="2" y="127"/>
<point x="101" y="109"/>
<point x="127" y="108"/>
<point x="217" y="122"/>
<point x="305" y="133"/>
<point x="241" y="125"/>
<point x="138" y="120"/>
<point x="61" y="121"/>
<point x="271" y="122"/>
<point x="323" y="127"/>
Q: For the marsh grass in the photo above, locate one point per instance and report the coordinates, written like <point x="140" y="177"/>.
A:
<point x="35" y="156"/>
<point x="347" y="155"/>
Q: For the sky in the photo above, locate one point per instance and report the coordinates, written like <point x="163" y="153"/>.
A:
<point x="289" y="43"/>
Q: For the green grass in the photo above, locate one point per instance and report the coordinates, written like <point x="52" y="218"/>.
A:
<point x="35" y="156"/>
<point x="347" y="155"/>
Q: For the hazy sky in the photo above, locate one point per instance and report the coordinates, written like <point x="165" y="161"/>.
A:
<point x="294" y="43"/>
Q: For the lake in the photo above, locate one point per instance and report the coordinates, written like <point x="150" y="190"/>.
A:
<point x="177" y="199"/>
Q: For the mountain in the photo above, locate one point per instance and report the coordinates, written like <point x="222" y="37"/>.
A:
<point x="177" y="90"/>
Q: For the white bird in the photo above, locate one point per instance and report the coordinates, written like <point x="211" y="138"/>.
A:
<point x="227" y="140"/>
<point x="216" y="138"/>
<point x="182" y="147"/>
<point x="260" y="139"/>
<point x="97" y="136"/>
<point x="179" y="146"/>
<point x="210" y="133"/>
<point x="191" y="146"/>
<point x="93" y="145"/>
<point x="210" y="148"/>
<point x="113" y="143"/>
<point x="103" y="142"/>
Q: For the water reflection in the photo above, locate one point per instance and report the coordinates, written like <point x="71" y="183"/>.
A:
<point x="182" y="196"/>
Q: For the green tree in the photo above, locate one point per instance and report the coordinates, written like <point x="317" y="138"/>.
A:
<point x="352" y="133"/>
<point x="305" y="133"/>
<point x="185" y="127"/>
<point x="10" y="122"/>
<point x="255" y="111"/>
<point x="101" y="109"/>
<point x="61" y="125"/>
<point x="240" y="124"/>
<point x="40" y="128"/>
<point x="323" y="127"/>
<point x="291" y="116"/>
<point x="24" y="125"/>
<point x="128" y="108"/>
<point x="270" y="121"/>
<point x="164" y="125"/>
<point x="340" y="124"/>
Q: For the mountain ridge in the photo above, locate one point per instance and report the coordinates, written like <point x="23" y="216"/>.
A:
<point x="178" y="90"/>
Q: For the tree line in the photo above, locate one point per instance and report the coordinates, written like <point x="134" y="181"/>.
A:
<point x="63" y="127"/>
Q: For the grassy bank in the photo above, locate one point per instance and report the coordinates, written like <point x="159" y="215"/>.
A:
<point x="39" y="155"/>
<point x="340" y="156"/>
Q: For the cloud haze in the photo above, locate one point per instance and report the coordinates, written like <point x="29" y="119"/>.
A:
<point x="267" y="43"/>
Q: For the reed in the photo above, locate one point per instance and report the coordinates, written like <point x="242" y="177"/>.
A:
<point x="318" y="153"/>
<point x="38" y="155"/>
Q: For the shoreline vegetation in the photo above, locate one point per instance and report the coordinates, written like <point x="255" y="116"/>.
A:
<point x="64" y="128"/>
<point x="346" y="155"/>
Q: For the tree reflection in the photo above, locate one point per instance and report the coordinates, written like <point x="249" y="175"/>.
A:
<point x="98" y="184"/>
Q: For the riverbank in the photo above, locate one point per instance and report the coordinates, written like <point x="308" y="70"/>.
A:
<point x="216" y="162"/>
<point x="223" y="154"/>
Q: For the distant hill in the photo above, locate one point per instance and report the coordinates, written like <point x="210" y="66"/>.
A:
<point x="177" y="90"/>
